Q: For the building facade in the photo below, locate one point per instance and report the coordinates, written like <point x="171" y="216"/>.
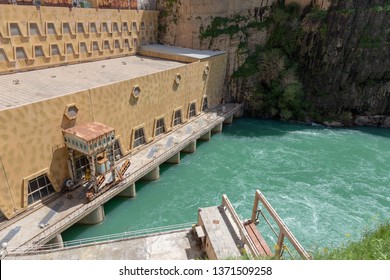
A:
<point x="141" y="91"/>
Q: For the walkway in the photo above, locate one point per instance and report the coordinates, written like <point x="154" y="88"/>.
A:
<point x="177" y="245"/>
<point x="39" y="226"/>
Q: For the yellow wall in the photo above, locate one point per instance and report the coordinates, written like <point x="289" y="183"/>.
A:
<point x="31" y="141"/>
<point x="24" y="17"/>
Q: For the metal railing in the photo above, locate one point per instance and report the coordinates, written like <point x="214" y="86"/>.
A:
<point x="47" y="248"/>
<point x="85" y="209"/>
<point x="284" y="231"/>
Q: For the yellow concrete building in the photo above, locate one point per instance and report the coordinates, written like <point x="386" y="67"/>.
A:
<point x="140" y="90"/>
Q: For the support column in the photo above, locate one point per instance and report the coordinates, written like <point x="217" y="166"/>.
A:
<point x="191" y="148"/>
<point x="175" y="159"/>
<point x="279" y="244"/>
<point x="228" y="120"/>
<point x="111" y="158"/>
<point x="206" y="136"/>
<point x="152" y="175"/>
<point x="57" y="242"/>
<point x="92" y="168"/>
<point x="95" y="217"/>
<point x="217" y="129"/>
<point x="239" y="113"/>
<point x="129" y="192"/>
<point x="72" y="165"/>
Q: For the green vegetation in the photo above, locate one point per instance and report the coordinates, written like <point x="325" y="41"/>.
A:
<point x="278" y="93"/>
<point x="375" y="245"/>
<point x="169" y="11"/>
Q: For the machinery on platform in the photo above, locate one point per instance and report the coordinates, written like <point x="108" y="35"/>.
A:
<point x="91" y="159"/>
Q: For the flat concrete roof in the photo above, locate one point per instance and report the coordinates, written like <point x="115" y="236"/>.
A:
<point x="170" y="50"/>
<point x="33" y="86"/>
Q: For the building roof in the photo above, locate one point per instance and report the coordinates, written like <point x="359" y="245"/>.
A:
<point x="177" y="51"/>
<point x="19" y="89"/>
<point x="89" y="131"/>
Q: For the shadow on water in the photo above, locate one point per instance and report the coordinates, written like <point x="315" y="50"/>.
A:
<point x="255" y="128"/>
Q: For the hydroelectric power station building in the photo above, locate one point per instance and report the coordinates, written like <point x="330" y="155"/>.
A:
<point x="81" y="88"/>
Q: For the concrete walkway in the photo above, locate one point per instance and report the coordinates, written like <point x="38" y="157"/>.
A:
<point x="40" y="225"/>
<point x="178" y="245"/>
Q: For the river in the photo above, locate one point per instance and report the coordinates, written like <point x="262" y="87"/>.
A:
<point x="328" y="185"/>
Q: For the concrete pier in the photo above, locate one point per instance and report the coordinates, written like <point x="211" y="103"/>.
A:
<point x="57" y="242"/>
<point x="95" y="217"/>
<point x="228" y="120"/>
<point x="206" y="136"/>
<point x="175" y="159"/>
<point x="239" y="113"/>
<point x="191" y="148"/>
<point x="217" y="128"/>
<point x="152" y="175"/>
<point x="129" y="192"/>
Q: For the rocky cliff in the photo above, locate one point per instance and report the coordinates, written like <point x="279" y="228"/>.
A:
<point x="346" y="57"/>
<point x="339" y="50"/>
<point x="234" y="26"/>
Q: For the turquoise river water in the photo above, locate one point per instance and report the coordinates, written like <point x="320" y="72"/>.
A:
<point x="328" y="185"/>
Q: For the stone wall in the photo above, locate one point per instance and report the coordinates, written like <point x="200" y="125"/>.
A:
<point x="31" y="39"/>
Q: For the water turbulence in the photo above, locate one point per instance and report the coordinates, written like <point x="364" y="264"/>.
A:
<point x="328" y="185"/>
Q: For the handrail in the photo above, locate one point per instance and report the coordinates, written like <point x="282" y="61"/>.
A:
<point x="47" y="248"/>
<point x="284" y="230"/>
<point x="85" y="209"/>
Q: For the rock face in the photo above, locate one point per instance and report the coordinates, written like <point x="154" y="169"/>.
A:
<point x="233" y="25"/>
<point x="346" y="58"/>
<point x="378" y="120"/>
<point x="344" y="54"/>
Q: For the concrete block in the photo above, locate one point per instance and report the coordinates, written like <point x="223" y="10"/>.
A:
<point x="95" y="217"/>
<point x="228" y="120"/>
<point x="56" y="242"/>
<point x="191" y="148"/>
<point x="217" y="128"/>
<point x="175" y="159"/>
<point x="129" y="192"/>
<point x="152" y="175"/>
<point x="206" y="136"/>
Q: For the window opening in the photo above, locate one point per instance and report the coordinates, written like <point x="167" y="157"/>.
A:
<point x="81" y="165"/>
<point x="117" y="150"/>
<point x="192" y="112"/>
<point x="177" y="119"/>
<point x="139" y="137"/>
<point x="160" y="127"/>
<point x="205" y="104"/>
<point x="38" y="188"/>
